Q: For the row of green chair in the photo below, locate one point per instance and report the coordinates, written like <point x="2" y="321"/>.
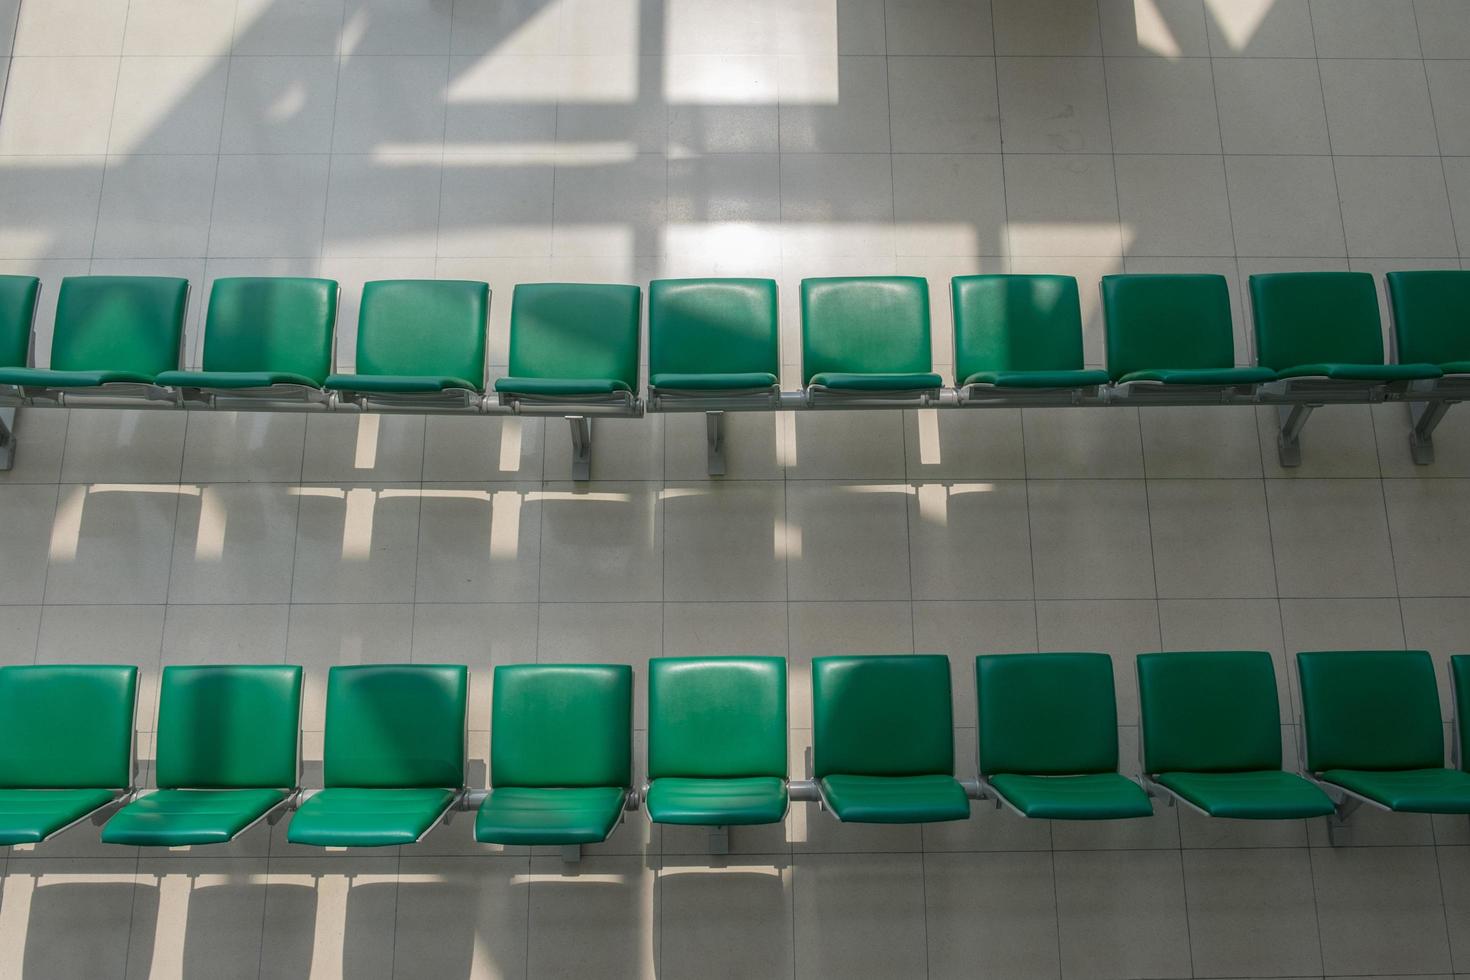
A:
<point x="228" y="745"/>
<point x="714" y="346"/>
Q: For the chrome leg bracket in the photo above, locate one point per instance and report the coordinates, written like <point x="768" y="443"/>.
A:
<point x="7" y="438"/>
<point x="581" y="447"/>
<point x="1425" y="416"/>
<point x="1288" y="440"/>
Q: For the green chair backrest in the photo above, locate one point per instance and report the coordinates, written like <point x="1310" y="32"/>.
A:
<point x="1370" y="709"/>
<point x="1174" y="322"/>
<point x="1460" y="671"/>
<point x="562" y="725"/>
<point x="395" y="725"/>
<point x="1431" y="315"/>
<point x="17" y="317"/>
<point x="1316" y="318"/>
<point x="67" y="727"/>
<point x="713" y="326"/>
<point x="1016" y="323"/>
<point x="716" y="716"/>
<point x="1215" y="711"/>
<point x="575" y="330"/>
<point x="423" y="328"/>
<point x="865" y="325"/>
<point x="271" y="323"/>
<point x="1047" y="714"/>
<point x="119" y="323"/>
<point x="224" y="727"/>
<point x="882" y="716"/>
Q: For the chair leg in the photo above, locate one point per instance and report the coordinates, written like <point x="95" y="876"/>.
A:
<point x="1339" y="832"/>
<point x="714" y="426"/>
<point x="1426" y="416"/>
<point x="1288" y="439"/>
<point x="7" y="438"/>
<point x="581" y="447"/>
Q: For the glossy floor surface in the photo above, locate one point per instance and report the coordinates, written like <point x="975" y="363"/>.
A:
<point x="626" y="139"/>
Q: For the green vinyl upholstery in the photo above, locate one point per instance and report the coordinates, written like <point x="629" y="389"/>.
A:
<point x="1172" y="329"/>
<point x="1324" y="325"/>
<point x="1431" y="318"/>
<point x="1211" y="729"/>
<point x="419" y="336"/>
<point x="264" y="331"/>
<point x="66" y="745"/>
<point x="1460" y="672"/>
<point x="713" y="334"/>
<point x="1048" y="736"/>
<point x="394" y="755"/>
<point x="883" y="739"/>
<point x="111" y="329"/>
<point x="572" y="339"/>
<point x="227" y="753"/>
<point x="717" y="740"/>
<point x="1373" y="726"/>
<point x="866" y="334"/>
<point x="1019" y="331"/>
<point x="561" y="754"/>
<point x="18" y="295"/>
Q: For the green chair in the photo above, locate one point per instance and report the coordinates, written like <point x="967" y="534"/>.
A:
<point x="717" y="740"/>
<point x="1171" y="336"/>
<point x="866" y="339"/>
<point x="393" y="761"/>
<point x="1321" y="333"/>
<point x="1019" y="338"/>
<point x="883" y="739"/>
<point x="109" y="331"/>
<point x="1211" y="736"/>
<point x="572" y="344"/>
<point x="18" y="296"/>
<point x="1460" y="678"/>
<point x="266" y="336"/>
<point x="1431" y="325"/>
<point x="1048" y="737"/>
<point x="713" y="339"/>
<point x="66" y="746"/>
<point x="561" y="754"/>
<point x="228" y="755"/>
<point x="420" y="343"/>
<point x="1374" y="733"/>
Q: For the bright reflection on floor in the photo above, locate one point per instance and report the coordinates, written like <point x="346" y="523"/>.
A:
<point x="1239" y="20"/>
<point x="510" y="445"/>
<point x="1153" y="30"/>
<point x="357" y="524"/>
<point x="505" y="524"/>
<point x="209" y="540"/>
<point x="786" y="539"/>
<point x="66" y="525"/>
<point x="929" y="453"/>
<point x="366" y="456"/>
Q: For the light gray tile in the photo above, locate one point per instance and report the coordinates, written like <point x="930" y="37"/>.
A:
<point x="231" y="447"/>
<point x="857" y="122"/>
<point x="354" y="544"/>
<point x="1249" y="912"/>
<point x="1338" y="441"/>
<point x="1378" y="106"/>
<point x="964" y="445"/>
<point x="949" y="204"/>
<point x="1365" y="28"/>
<point x="725" y="541"/>
<point x="1449" y="89"/>
<point x="1090" y="539"/>
<point x="1453" y="864"/>
<point x="382" y="206"/>
<point x="1048" y="27"/>
<point x="1054" y="105"/>
<point x="1121" y="914"/>
<point x="58" y="893"/>
<point x="478" y="543"/>
<point x="203" y="914"/>
<point x="615" y="210"/>
<point x="107" y="634"/>
<point x="481" y="635"/>
<point x="1160" y="28"/>
<point x="826" y="563"/>
<point x="269" y="205"/>
<point x="168" y="105"/>
<point x="1202" y="442"/>
<point x="50" y="205"/>
<point x="1444" y="28"/>
<point x="639" y="115"/>
<point x="355" y="896"/>
<point x="1271" y="105"/>
<point x="399" y="26"/>
<point x="280" y="104"/>
<point x="1457" y="179"/>
<point x="1425" y="518"/>
<point x="224" y="634"/>
<point x="1162" y="106"/>
<point x="1379" y="909"/>
<point x="58" y="105"/>
<point x="324" y="636"/>
<point x="931" y="27"/>
<point x="964" y="630"/>
<point x="234" y="543"/>
<point x="734" y="920"/>
<point x="1341" y="624"/>
<point x="822" y="446"/>
<point x="102" y="528"/>
<point x="1174" y="205"/>
<point x="618" y="905"/>
<point x="943" y="105"/>
<point x="991" y="915"/>
<point x="1284" y="206"/>
<point x="155" y="207"/>
<point x="357" y="449"/>
<point x="1062" y="205"/>
<point x="446" y="904"/>
<point x="1211" y="539"/>
<point x="1282" y="30"/>
<point x="495" y="103"/>
<point x="837" y="205"/>
<point x="25" y="537"/>
<point x="859" y="914"/>
<point x="1395" y="207"/>
<point x="390" y="104"/>
<point x="467" y="448"/>
<point x="1313" y="557"/>
<point x="50" y="29"/>
<point x="179" y="27"/>
<point x="722" y="628"/>
<point x="601" y="543"/>
<point x="969" y="541"/>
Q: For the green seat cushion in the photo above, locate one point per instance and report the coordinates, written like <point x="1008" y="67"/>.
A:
<point x="895" y="799"/>
<point x="42" y="378"/>
<point x="29" y="816"/>
<point x="1168" y="322"/>
<point x="1092" y="796"/>
<point x="1268" y="794"/>
<point x="17" y="314"/>
<point x="713" y="326"/>
<point x="67" y="726"/>
<point x="1017" y="324"/>
<point x="1370" y="710"/>
<point x="1308" y="323"/>
<point x="840" y="381"/>
<point x="1361" y="372"/>
<point x="423" y="329"/>
<point x="586" y="331"/>
<point x="1408" y="790"/>
<point x="713" y="382"/>
<point x="1203" y="376"/>
<point x="396" y="384"/>
<point x="1460" y="672"/>
<point x="561" y="725"/>
<point x="865" y="325"/>
<point x="727" y="802"/>
<point x="271" y="324"/>
<point x="549" y="815"/>
<point x="1039" y="379"/>
<point x="559" y="387"/>
<point x="1208" y="711"/>
<point x="231" y="380"/>
<point x="1431" y="317"/>
<point x="129" y="324"/>
<point x="179" y="817"/>
<point x="1455" y="367"/>
<point x="347" y="817"/>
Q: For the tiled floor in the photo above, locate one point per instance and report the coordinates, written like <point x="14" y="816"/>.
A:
<point x="626" y="139"/>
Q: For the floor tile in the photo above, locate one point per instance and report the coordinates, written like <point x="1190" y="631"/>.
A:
<point x="1204" y="442"/>
<point x="1251" y="913"/>
<point x="42" y="905"/>
<point x="168" y="105"/>
<point x="155" y="207"/>
<point x="382" y="206"/>
<point x="1316" y="553"/>
<point x="197" y="915"/>
<point x="1159" y="105"/>
<point x="234" y="543"/>
<point x="1394" y="207"/>
<point x="725" y="541"/>
<point x="1054" y="105"/>
<point x="1365" y="29"/>
<point x="1211" y="539"/>
<point x="1284" y="206"/>
<point x="356" y="544"/>
<point x="51" y="204"/>
<point x="102" y="530"/>
<point x="463" y="916"/>
<point x="58" y="105"/>
<point x="949" y="204"/>
<point x="969" y="541"/>
<point x="326" y="636"/>
<point x="603" y="543"/>
<point x="1050" y="27"/>
<point x="25" y="537"/>
<point x="1425" y="516"/>
<point x="229" y="447"/>
<point x="269" y="205"/>
<point x="1174" y="205"/>
<point x="857" y="123"/>
<point x="612" y="898"/>
<point x="859" y="914"/>
<point x="1378" y="909"/>
<point x="478" y="543"/>
<point x="50" y="29"/>
<point x="991" y="915"/>
<point x="1120" y="628"/>
<point x="943" y="105"/>
<point x="1062" y="205"/>
<point x="1392" y="94"/>
<point x="1090" y="539"/>
<point x="827" y="561"/>
<point x="1271" y="105"/>
<point x="325" y="917"/>
<point x="1169" y="29"/>
<point x="1121" y="914"/>
<point x="824" y="629"/>
<point x="732" y="921"/>
<point x="280" y="104"/>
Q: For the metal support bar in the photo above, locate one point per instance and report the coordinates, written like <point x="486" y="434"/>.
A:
<point x="581" y="447"/>
<point x="714" y="426"/>
<point x="7" y="438"/>
<point x="1425" y="416"/>
<point x="1288" y="439"/>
